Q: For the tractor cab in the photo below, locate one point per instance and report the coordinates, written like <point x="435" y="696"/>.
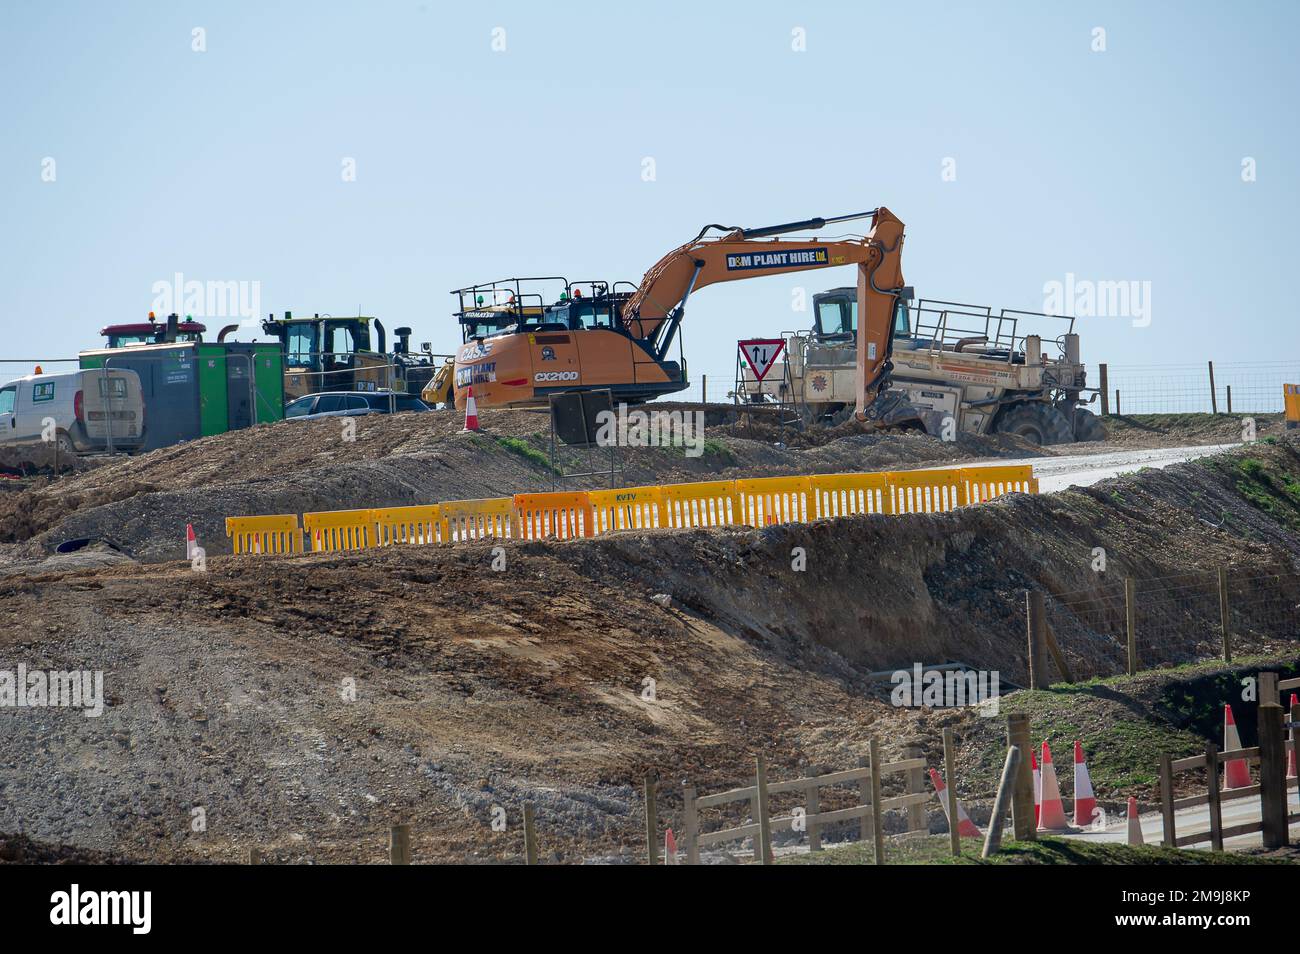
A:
<point x="153" y="332"/>
<point x="324" y="353"/>
<point x="835" y="316"/>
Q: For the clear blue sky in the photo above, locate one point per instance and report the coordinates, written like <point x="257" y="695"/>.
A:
<point x="225" y="165"/>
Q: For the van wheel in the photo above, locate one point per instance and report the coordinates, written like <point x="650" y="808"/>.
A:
<point x="1035" y="421"/>
<point x="63" y="443"/>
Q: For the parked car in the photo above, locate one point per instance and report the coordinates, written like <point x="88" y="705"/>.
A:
<point x="352" y="404"/>
<point x="83" y="411"/>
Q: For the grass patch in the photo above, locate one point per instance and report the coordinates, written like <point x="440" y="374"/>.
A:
<point x="936" y="850"/>
<point x="1268" y="489"/>
<point x="528" y="452"/>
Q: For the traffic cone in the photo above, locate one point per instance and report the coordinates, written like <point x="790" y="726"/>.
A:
<point x="965" y="827"/>
<point x="1038" y="786"/>
<point x="670" y="848"/>
<point x="471" y="411"/>
<point x="1134" y="826"/>
<point x="191" y="542"/>
<point x="1052" y="815"/>
<point x="1290" y="755"/>
<point x="1236" y="772"/>
<point x="1085" y="802"/>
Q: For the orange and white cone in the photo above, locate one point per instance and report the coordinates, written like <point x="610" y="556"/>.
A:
<point x="1290" y="755"/>
<point x="471" y="411"/>
<point x="1134" y="826"/>
<point x="670" y="847"/>
<point x="1236" y="772"/>
<point x="191" y="542"/>
<point x="1085" y="802"/>
<point x="965" y="827"/>
<point x="1038" y="785"/>
<point x="1052" y="815"/>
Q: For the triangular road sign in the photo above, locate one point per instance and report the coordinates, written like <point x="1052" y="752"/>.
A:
<point x="761" y="354"/>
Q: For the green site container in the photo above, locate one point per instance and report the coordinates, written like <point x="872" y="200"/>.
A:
<point x="195" y="389"/>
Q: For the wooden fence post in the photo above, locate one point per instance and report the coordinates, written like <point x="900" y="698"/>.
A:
<point x="993" y="840"/>
<point x="1118" y="412"/>
<point x="1214" y="398"/>
<point x="530" y="835"/>
<point x="864" y="798"/>
<point x="1130" y="617"/>
<point x="812" y="805"/>
<point x="1167" y="799"/>
<point x="399" y="845"/>
<point x="1266" y="689"/>
<point x="255" y="856"/>
<point x="877" y="816"/>
<point x="651" y="822"/>
<point x="1022" y="800"/>
<point x="950" y="770"/>
<point x="704" y="389"/>
<point x="915" y="785"/>
<point x="1224" y="623"/>
<point x="1229" y="390"/>
<point x="1036" y="617"/>
<point x="692" y="826"/>
<point x="1103" y="387"/>
<point x="1272" y="775"/>
<point x="763" y="844"/>
<point x="1212" y="791"/>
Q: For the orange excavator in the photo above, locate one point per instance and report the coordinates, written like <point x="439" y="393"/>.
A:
<point x="519" y="348"/>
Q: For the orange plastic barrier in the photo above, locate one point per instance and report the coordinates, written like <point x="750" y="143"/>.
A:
<point x="1291" y="404"/>
<point x="711" y="504"/>
<point x="559" y="515"/>
<point x="629" y="508"/>
<point x="765" y="501"/>
<point x="410" y="525"/>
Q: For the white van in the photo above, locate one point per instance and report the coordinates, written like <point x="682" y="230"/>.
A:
<point x="76" y="408"/>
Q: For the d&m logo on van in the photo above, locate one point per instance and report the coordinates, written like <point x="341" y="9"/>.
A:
<point x="790" y="258"/>
<point x="43" y="391"/>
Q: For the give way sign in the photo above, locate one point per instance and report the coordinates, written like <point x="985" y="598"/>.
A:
<point x="761" y="354"/>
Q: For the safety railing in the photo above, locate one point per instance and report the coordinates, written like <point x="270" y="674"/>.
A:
<point x="279" y="533"/>
<point x="758" y="502"/>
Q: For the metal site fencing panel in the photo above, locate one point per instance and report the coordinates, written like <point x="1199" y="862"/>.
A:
<point x="1247" y="387"/>
<point x="1126" y="625"/>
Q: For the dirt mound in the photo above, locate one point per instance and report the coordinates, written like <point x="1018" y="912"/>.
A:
<point x="305" y="703"/>
<point x="141" y="505"/>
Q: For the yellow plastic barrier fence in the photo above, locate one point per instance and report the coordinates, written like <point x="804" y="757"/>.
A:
<point x="985" y="483"/>
<point x="493" y="518"/>
<point x="413" y="525"/>
<point x="841" y="495"/>
<point x="1291" y="402"/>
<point x="926" y="491"/>
<point x="709" y="504"/>
<point x="559" y="515"/>
<point x="630" y="508"/>
<point x="335" y="530"/>
<point x="758" y="502"/>
<point x="765" y="501"/>
<point x="271" y="534"/>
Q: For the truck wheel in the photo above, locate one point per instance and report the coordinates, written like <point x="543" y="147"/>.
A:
<point x="1087" y="426"/>
<point x="1035" y="421"/>
<point x="63" y="443"/>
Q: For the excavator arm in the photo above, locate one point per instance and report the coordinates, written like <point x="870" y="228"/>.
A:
<point x="654" y="312"/>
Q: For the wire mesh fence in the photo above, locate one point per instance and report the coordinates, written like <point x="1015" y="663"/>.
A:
<point x="1253" y="387"/>
<point x="1174" y="620"/>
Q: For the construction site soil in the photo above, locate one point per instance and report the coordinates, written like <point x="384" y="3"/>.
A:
<point x="302" y="704"/>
